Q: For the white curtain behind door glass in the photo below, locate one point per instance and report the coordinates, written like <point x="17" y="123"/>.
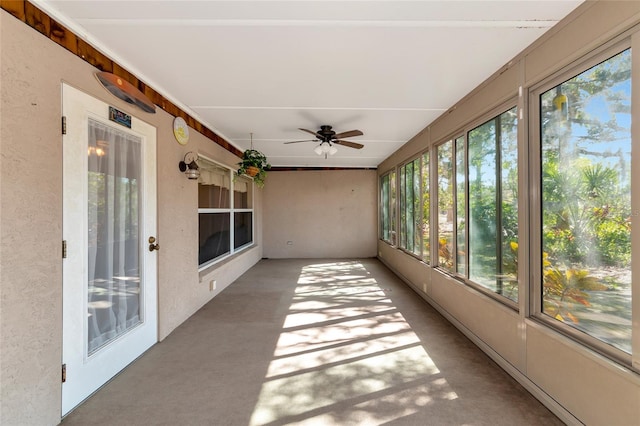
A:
<point x="114" y="171"/>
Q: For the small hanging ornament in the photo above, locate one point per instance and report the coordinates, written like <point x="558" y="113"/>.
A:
<point x="561" y="104"/>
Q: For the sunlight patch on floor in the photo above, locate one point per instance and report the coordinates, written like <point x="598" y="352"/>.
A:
<point x="296" y="394"/>
<point x="310" y="338"/>
<point x="340" y="353"/>
<point x="386" y="408"/>
<point x="346" y="355"/>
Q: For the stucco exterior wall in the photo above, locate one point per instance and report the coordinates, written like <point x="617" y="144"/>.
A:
<point x="33" y="69"/>
<point x="320" y="214"/>
<point x="30" y="231"/>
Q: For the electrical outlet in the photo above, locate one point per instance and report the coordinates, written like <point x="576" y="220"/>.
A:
<point x="212" y="285"/>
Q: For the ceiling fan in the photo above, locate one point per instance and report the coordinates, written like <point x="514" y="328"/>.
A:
<point x="328" y="138"/>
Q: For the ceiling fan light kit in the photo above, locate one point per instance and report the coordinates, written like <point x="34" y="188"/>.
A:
<point x="328" y="138"/>
<point x="325" y="148"/>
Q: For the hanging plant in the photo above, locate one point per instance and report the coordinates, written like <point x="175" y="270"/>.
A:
<point x="254" y="164"/>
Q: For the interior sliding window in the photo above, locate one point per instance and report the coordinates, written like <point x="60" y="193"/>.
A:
<point x="493" y="210"/>
<point x="445" y="218"/>
<point x="426" y="209"/>
<point x="410" y="207"/>
<point x="585" y="212"/>
<point x="225" y="212"/>
<point x="461" y="205"/>
<point x="388" y="207"/>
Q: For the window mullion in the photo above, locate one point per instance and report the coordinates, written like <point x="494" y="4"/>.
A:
<point x="499" y="278"/>
<point x="635" y="207"/>
<point x="232" y="215"/>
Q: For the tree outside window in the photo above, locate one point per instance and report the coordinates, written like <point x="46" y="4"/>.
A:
<point x="586" y="201"/>
<point x="493" y="184"/>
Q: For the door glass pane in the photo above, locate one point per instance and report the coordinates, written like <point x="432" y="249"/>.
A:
<point x="114" y="170"/>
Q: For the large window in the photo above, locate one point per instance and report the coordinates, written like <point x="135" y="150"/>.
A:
<point x="388" y="207"/>
<point x="413" y="205"/>
<point x="492" y="199"/>
<point x="461" y="209"/>
<point x="410" y="209"/>
<point x="585" y="149"/>
<point x="462" y="197"/>
<point x="445" y="206"/>
<point x="426" y="209"/>
<point x="478" y="205"/>
<point x="225" y="212"/>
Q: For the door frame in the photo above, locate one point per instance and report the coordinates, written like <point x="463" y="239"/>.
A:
<point x="87" y="373"/>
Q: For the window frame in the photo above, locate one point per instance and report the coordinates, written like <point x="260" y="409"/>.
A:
<point x="403" y="203"/>
<point x="390" y="206"/>
<point x="492" y="115"/>
<point x="436" y="205"/>
<point x="231" y="210"/>
<point x="535" y="304"/>
<point x="463" y="133"/>
<point x="426" y="253"/>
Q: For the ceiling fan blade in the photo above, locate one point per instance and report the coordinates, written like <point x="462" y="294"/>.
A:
<point x="308" y="140"/>
<point x="347" y="134"/>
<point x="348" y="143"/>
<point x="317" y="135"/>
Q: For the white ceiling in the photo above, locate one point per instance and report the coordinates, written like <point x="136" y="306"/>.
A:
<point x="388" y="68"/>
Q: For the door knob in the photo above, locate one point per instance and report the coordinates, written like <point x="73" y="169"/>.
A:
<point x="153" y="246"/>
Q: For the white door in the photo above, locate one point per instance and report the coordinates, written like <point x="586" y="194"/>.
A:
<point x="109" y="216"/>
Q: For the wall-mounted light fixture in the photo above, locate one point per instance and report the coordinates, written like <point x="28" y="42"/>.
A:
<point x="189" y="166"/>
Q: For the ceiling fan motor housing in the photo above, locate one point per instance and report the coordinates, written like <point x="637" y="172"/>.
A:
<point x="327" y="133"/>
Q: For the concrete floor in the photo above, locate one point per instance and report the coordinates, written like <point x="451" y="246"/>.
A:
<point x="314" y="342"/>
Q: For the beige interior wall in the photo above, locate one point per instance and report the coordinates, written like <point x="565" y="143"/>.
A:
<point x="575" y="382"/>
<point x="598" y="392"/>
<point x="33" y="69"/>
<point x="320" y="214"/>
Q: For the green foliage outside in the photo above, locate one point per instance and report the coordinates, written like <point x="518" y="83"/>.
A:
<point x="586" y="201"/>
<point x="585" y="196"/>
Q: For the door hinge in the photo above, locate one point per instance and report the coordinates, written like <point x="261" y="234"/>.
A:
<point x="64" y="125"/>
<point x="64" y="249"/>
<point x="64" y="373"/>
